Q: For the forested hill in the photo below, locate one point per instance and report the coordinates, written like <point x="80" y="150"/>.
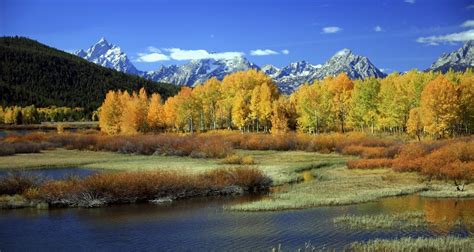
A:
<point x="33" y="73"/>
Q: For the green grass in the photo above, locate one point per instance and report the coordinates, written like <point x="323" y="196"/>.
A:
<point x="417" y="244"/>
<point x="448" y="191"/>
<point x="337" y="185"/>
<point x="383" y="221"/>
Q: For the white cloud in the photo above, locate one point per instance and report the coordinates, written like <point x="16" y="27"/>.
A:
<point x="152" y="57"/>
<point x="262" y="52"/>
<point x="331" y="29"/>
<point x="410" y="1"/>
<point x="154" y="49"/>
<point x="468" y="23"/>
<point x="378" y="28"/>
<point x="448" y="38"/>
<point x="153" y="54"/>
<point x="285" y="51"/>
<point x="470" y="7"/>
<point x="181" y="54"/>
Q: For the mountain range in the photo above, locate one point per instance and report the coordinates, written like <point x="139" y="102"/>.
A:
<point x="288" y="78"/>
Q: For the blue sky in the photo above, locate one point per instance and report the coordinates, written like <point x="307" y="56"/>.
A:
<point x="394" y="34"/>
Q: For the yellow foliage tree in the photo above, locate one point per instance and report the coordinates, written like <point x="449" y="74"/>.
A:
<point x="414" y="124"/>
<point x="155" y="116"/>
<point x="135" y="113"/>
<point x="439" y="106"/>
<point x="110" y="113"/>
<point x="279" y="118"/>
<point x="240" y="111"/>
<point x="341" y="89"/>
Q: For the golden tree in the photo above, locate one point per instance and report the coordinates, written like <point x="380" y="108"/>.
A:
<point x="240" y="111"/>
<point x="110" y="113"/>
<point x="265" y="105"/>
<point x="155" y="116"/>
<point x="135" y="113"/>
<point x="439" y="106"/>
<point x="279" y="118"/>
<point x="341" y="90"/>
<point x="414" y="124"/>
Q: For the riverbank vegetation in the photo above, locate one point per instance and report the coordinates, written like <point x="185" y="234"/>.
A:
<point x="448" y="160"/>
<point x="383" y="221"/>
<point x="449" y="243"/>
<point x="130" y="187"/>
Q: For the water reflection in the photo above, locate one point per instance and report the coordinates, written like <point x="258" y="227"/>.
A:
<point x="53" y="173"/>
<point x="443" y="215"/>
<point x="203" y="225"/>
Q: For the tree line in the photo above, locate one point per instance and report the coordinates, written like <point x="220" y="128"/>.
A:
<point x="31" y="114"/>
<point x="419" y="103"/>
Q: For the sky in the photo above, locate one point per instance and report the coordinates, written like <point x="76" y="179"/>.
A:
<point x="396" y="35"/>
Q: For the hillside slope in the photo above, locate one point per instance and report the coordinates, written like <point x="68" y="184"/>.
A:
<point x="33" y="73"/>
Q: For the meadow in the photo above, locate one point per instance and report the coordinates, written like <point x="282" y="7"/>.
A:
<point x="305" y="170"/>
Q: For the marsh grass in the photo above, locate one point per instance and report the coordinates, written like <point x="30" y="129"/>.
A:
<point x="449" y="243"/>
<point x="383" y="221"/>
<point x="129" y="187"/>
<point x="337" y="186"/>
<point x="446" y="191"/>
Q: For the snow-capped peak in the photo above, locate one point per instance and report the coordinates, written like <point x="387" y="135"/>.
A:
<point x="108" y="55"/>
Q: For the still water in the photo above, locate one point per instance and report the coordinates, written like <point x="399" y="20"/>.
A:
<point x="203" y="225"/>
<point x="53" y="173"/>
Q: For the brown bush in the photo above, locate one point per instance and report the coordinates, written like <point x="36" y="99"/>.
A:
<point x="17" y="183"/>
<point x="364" y="151"/>
<point x="139" y="186"/>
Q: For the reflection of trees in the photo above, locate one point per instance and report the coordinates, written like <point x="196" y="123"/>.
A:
<point x="401" y="204"/>
<point x="441" y="214"/>
<point x="446" y="213"/>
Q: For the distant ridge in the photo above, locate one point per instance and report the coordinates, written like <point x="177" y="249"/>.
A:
<point x="288" y="78"/>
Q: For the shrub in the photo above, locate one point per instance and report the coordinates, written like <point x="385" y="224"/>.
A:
<point x="6" y="149"/>
<point x="17" y="183"/>
<point x="124" y="187"/>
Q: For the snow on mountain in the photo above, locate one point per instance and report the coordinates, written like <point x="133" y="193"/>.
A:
<point x="294" y="75"/>
<point x="269" y="70"/>
<point x="198" y="71"/>
<point x="458" y="60"/>
<point x="288" y="78"/>
<point x="108" y="55"/>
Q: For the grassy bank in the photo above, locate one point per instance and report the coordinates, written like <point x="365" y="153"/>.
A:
<point x="417" y="244"/>
<point x="383" y="221"/>
<point x="128" y="187"/>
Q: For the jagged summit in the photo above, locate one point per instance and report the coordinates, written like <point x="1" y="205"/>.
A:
<point x="108" y="55"/>
<point x="458" y="60"/>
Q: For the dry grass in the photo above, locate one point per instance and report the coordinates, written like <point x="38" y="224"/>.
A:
<point x="383" y="221"/>
<point x="236" y="159"/>
<point x="448" y="243"/>
<point x="129" y="187"/>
